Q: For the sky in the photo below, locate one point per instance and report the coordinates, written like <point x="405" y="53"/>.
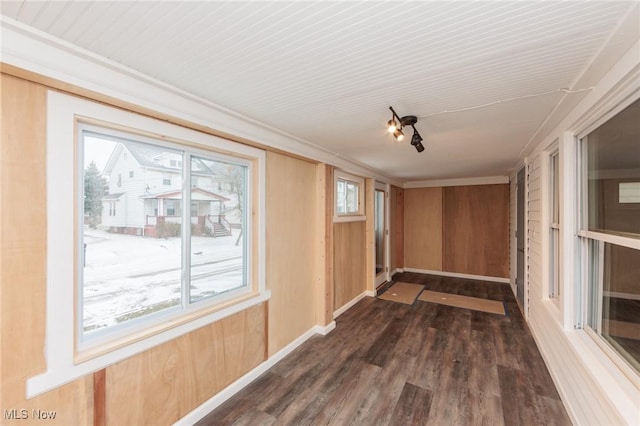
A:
<point x="97" y="150"/>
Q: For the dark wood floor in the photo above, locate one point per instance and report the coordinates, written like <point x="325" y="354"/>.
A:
<point x="392" y="364"/>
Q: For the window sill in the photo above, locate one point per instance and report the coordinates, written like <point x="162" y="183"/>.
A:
<point x="62" y="369"/>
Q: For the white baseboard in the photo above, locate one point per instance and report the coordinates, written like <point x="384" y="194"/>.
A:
<point x="397" y="271"/>
<point x="352" y="302"/>
<point x="457" y="275"/>
<point x="212" y="403"/>
<point x="326" y="329"/>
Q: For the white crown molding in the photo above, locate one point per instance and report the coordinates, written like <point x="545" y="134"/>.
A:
<point x="488" y="180"/>
<point x="35" y="51"/>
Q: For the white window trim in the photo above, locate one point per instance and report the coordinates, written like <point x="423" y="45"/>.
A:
<point x="349" y="217"/>
<point x="622" y="373"/>
<point x="105" y="339"/>
<point x="62" y="112"/>
<point x="550" y="225"/>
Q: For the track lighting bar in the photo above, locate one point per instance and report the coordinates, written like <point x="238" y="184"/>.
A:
<point x="395" y="128"/>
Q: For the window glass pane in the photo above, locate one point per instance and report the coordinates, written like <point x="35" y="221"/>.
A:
<point x="614" y="159"/>
<point x="218" y="220"/>
<point x="132" y="250"/>
<point x="555" y="189"/>
<point x="378" y="228"/>
<point x="352" y="197"/>
<point x="615" y="293"/>
<point x="341" y="194"/>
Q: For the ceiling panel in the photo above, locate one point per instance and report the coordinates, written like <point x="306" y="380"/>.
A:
<point x="481" y="76"/>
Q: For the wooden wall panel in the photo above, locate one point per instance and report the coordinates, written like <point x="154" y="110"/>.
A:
<point x="23" y="231"/>
<point x="291" y="248"/>
<point x="349" y="261"/>
<point x="370" y="237"/>
<point x="476" y="230"/>
<point x="396" y="231"/>
<point x="165" y="383"/>
<point x="423" y="228"/>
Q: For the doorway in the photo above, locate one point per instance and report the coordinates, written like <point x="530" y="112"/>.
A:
<point x="381" y="233"/>
<point x="520" y="237"/>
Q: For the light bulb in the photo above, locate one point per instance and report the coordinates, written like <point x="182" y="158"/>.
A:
<point x="391" y="126"/>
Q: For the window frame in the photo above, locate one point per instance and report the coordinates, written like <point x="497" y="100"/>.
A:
<point x="359" y="214"/>
<point x="63" y="213"/>
<point x="174" y="208"/>
<point x="554" y="214"/>
<point x="587" y="240"/>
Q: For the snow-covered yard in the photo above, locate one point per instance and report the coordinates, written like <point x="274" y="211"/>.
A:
<point x="126" y="276"/>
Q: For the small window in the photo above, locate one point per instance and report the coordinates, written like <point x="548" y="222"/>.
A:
<point x="166" y="182"/>
<point x="119" y="180"/>
<point x="131" y="174"/>
<point x="173" y="163"/>
<point x="349" y="193"/>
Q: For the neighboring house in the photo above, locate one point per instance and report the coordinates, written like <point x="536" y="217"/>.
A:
<point x="145" y="194"/>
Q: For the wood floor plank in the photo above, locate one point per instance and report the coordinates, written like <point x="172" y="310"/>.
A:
<point x="306" y="405"/>
<point x="343" y="404"/>
<point x="379" y="401"/>
<point x="389" y="363"/>
<point x="383" y="347"/>
<point x="412" y="407"/>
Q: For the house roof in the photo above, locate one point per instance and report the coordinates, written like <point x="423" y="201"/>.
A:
<point x="112" y="196"/>
<point x="197" y="194"/>
<point x="149" y="156"/>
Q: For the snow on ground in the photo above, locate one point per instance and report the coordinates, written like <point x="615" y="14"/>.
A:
<point x="126" y="275"/>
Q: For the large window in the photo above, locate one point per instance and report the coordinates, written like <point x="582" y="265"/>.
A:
<point x="154" y="259"/>
<point x="610" y="232"/>
<point x="137" y="259"/>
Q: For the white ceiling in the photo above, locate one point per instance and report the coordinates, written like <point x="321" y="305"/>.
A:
<point x="486" y="79"/>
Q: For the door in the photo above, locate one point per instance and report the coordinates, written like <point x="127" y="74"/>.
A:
<point x="381" y="231"/>
<point x="520" y="236"/>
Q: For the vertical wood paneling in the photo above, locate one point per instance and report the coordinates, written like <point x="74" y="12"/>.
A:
<point x="349" y="261"/>
<point x="476" y="226"/>
<point x="324" y="245"/>
<point x="393" y="219"/>
<point x="423" y="228"/>
<point x="399" y="231"/>
<point x="396" y="230"/>
<point x="370" y="237"/>
<point x="291" y="248"/>
<point x="99" y="398"/>
<point x="165" y="383"/>
<point x="23" y="232"/>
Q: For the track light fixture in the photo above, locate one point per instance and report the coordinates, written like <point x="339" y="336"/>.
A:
<point x="395" y="125"/>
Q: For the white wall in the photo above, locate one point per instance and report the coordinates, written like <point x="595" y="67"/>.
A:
<point x="594" y="388"/>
